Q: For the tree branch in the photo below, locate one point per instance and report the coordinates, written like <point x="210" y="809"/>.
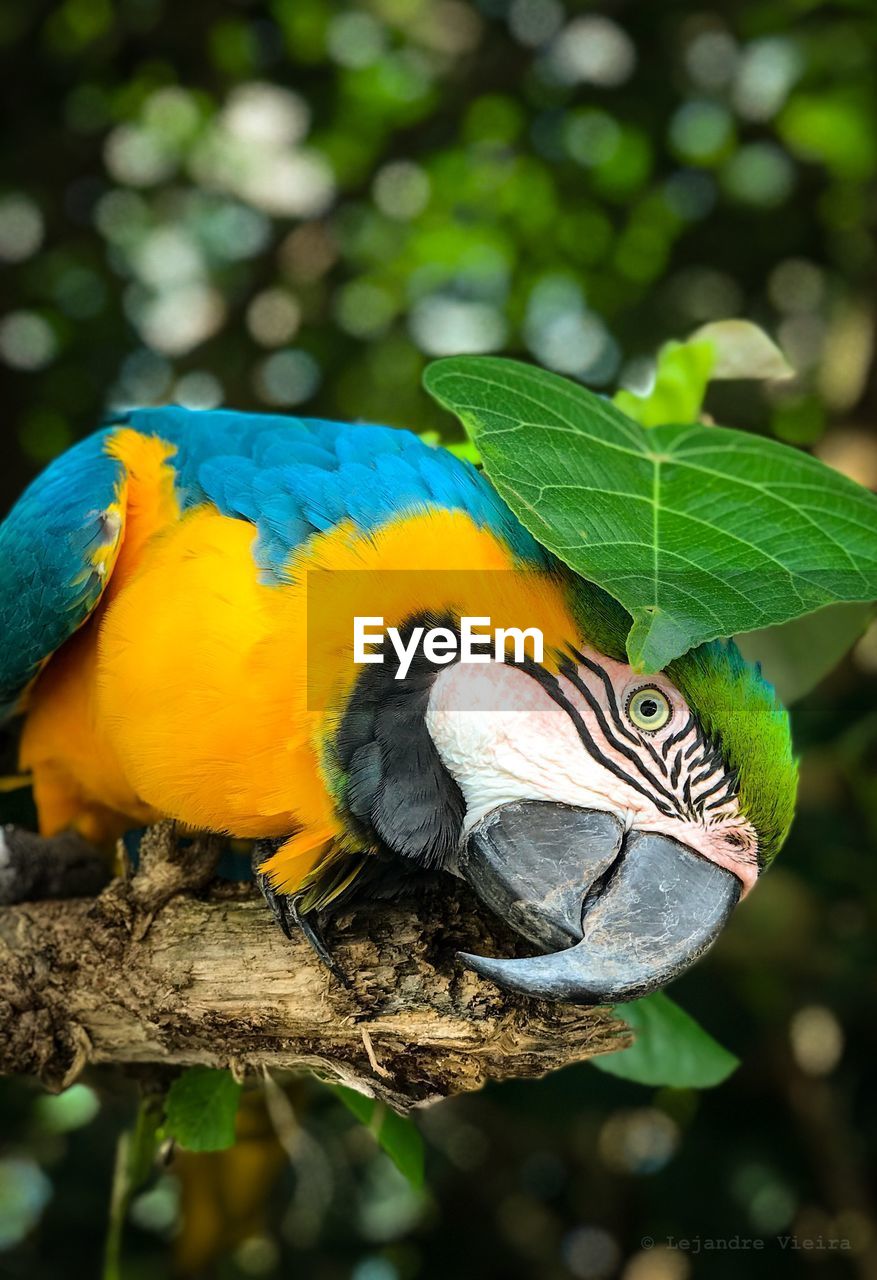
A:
<point x="150" y="973"/>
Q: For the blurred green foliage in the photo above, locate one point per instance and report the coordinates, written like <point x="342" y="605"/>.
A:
<point x="397" y="1135"/>
<point x="293" y="206"/>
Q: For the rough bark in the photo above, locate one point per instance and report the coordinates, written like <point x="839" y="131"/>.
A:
<point x="171" y="968"/>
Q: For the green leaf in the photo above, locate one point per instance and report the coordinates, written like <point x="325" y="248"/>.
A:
<point x="725" y="349"/>
<point x="796" y="656"/>
<point x="681" y="380"/>
<point x="397" y="1135"/>
<point x="464" y="449"/>
<point x="201" y="1109"/>
<point x="741" y="350"/>
<point x="700" y="532"/>
<point x="670" y="1048"/>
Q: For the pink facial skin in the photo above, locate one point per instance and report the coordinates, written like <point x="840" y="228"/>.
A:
<point x="504" y="738"/>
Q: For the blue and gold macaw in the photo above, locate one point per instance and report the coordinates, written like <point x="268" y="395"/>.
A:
<point x="162" y="639"/>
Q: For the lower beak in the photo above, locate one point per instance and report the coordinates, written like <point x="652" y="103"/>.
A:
<point x="632" y="913"/>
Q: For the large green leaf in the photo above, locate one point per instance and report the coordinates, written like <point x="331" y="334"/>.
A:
<point x="699" y="531"/>
<point x="201" y="1109"/>
<point x="670" y="1048"/>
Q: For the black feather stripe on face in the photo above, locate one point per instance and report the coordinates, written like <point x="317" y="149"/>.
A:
<point x="678" y="780"/>
<point x="553" y="688"/>
<point x="568" y="670"/>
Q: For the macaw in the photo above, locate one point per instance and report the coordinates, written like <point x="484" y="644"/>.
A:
<point x="162" y="641"/>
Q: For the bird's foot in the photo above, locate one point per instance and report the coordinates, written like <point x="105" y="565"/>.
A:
<point x="288" y="916"/>
<point x="34" y="867"/>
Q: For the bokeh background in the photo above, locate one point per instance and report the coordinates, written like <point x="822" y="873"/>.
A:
<point x="295" y="205"/>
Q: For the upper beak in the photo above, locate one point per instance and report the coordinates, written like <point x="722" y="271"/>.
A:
<point x="631" y="912"/>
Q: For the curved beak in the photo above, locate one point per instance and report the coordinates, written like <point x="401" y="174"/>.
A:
<point x="629" y="912"/>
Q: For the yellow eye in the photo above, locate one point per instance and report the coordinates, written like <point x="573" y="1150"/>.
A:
<point x="649" y="709"/>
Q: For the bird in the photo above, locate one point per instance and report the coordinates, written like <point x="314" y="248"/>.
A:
<point x="179" y="600"/>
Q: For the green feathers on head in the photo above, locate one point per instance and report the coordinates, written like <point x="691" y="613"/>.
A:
<point x="736" y="707"/>
<point x="740" y="711"/>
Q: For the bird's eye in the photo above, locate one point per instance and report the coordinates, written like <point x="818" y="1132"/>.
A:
<point x="648" y="709"/>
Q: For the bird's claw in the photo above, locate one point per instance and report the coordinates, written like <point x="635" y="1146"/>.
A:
<point x="288" y="916"/>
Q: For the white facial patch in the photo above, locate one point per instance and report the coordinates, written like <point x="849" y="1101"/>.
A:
<point x="504" y="738"/>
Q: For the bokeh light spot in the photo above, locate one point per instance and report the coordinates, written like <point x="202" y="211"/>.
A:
<point x="144" y="378"/>
<point x="639" y="1140"/>
<point x="287" y="378"/>
<point x="24" y="1193"/>
<point x="593" y="50"/>
<point x="355" y="39"/>
<point x="704" y="293"/>
<point x="591" y="1253"/>
<point x="258" y="1256"/>
<point x="157" y="1209"/>
<point x="364" y="310"/>
<point x="442" y="326"/>
<point x="711" y="59"/>
<point x="701" y="131"/>
<point x="27" y="341"/>
<point x="534" y="22"/>
<point x="659" y="1263"/>
<point x="759" y="174"/>
<point x="690" y="193"/>
<point x="136" y="157"/>
<point x="273" y="317"/>
<point x="198" y="389"/>
<point x="401" y="190"/>
<point x="64" y="1112"/>
<point x="591" y="136"/>
<point x="180" y="318"/>
<point x="167" y="256"/>
<point x="768" y="68"/>
<point x="796" y="285"/>
<point x="21" y="228"/>
<point x="265" y="115"/>
<point x="817" y="1040"/>
<point x="375" y="1269"/>
<point x="121" y="216"/>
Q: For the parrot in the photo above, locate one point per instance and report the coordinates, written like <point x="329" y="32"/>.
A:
<point x="176" y="597"/>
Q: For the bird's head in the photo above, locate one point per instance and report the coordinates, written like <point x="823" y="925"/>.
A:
<point x="613" y="819"/>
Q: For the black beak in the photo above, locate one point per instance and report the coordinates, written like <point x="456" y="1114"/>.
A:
<point x="632" y="913"/>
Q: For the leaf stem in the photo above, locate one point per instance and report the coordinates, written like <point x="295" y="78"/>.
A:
<point x="135" y="1156"/>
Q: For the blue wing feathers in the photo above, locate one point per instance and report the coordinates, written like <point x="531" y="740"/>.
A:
<point x="48" y="583"/>
<point x="290" y="477"/>
<point x="294" y="477"/>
